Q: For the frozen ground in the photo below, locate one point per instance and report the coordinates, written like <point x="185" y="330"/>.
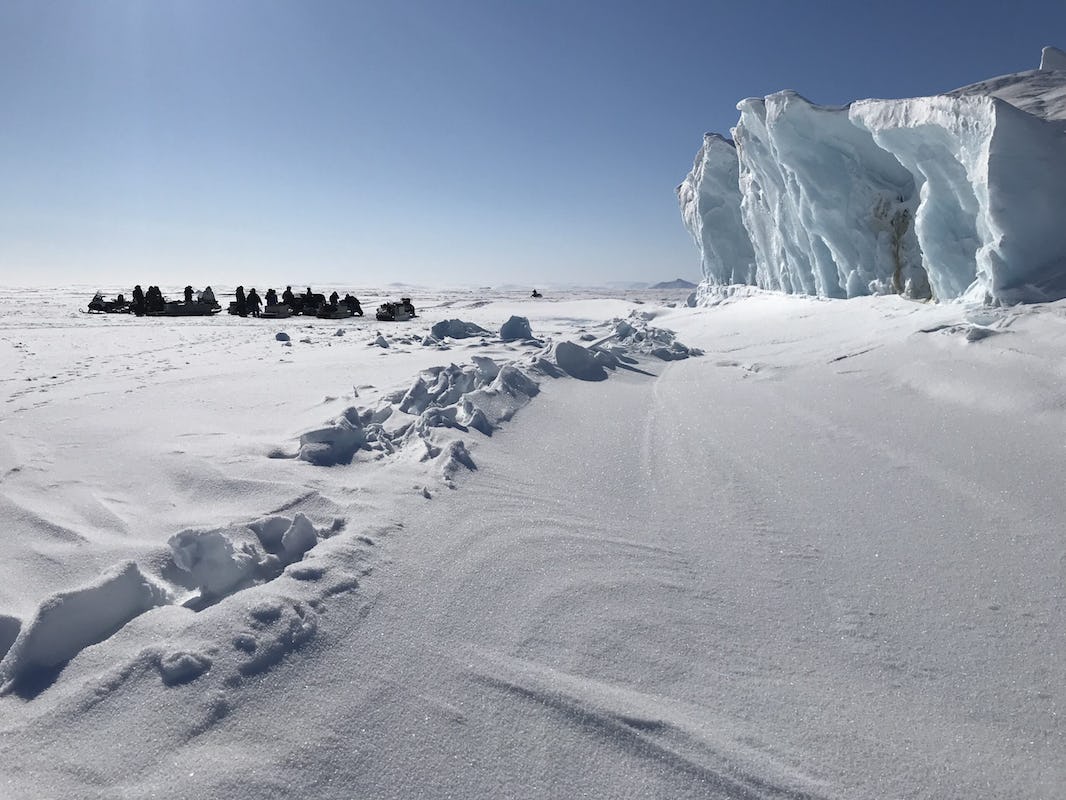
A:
<point x="824" y="559"/>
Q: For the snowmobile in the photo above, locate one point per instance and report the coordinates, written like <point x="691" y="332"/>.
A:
<point x="98" y="305"/>
<point x="396" y="312"/>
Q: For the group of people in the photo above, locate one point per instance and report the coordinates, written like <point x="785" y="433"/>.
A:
<point x="307" y="303"/>
<point x="145" y="302"/>
<point x="245" y="304"/>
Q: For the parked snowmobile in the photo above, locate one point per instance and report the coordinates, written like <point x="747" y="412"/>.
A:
<point x="396" y="312"/>
<point x="98" y="305"/>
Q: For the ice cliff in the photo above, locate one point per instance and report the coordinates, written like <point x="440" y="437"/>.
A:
<point x="956" y="196"/>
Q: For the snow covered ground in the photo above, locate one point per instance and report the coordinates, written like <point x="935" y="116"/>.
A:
<point x="825" y="558"/>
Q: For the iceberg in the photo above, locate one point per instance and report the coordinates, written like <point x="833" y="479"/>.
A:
<point x="950" y="197"/>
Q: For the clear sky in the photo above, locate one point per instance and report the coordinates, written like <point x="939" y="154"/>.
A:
<point x="426" y="141"/>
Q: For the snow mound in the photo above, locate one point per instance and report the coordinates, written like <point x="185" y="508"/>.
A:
<point x="515" y="328"/>
<point x="947" y="197"/>
<point x="456" y="329"/>
<point x="68" y="622"/>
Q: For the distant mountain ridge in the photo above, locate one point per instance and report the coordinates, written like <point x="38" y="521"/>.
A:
<point x="676" y="283"/>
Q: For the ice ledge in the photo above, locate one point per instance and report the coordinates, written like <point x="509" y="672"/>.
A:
<point x="1051" y="58"/>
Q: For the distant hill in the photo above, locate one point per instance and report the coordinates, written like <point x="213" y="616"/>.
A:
<point x="677" y="283"/>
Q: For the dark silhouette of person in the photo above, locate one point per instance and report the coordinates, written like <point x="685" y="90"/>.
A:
<point x="288" y="298"/>
<point x="353" y="305"/>
<point x="138" y="300"/>
<point x="188" y="294"/>
<point x="253" y="301"/>
<point x="155" y="300"/>
<point x="407" y="305"/>
<point x="242" y="302"/>
<point x="333" y="298"/>
<point x="536" y="294"/>
<point x="271" y="297"/>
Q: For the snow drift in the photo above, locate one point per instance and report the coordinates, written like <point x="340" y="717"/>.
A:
<point x="948" y="197"/>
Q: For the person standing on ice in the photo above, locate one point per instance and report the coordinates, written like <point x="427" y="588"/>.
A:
<point x="271" y="297"/>
<point x="242" y="302"/>
<point x="288" y="298"/>
<point x="333" y="298"/>
<point x="188" y="294"/>
<point x="254" y="303"/>
<point x="207" y="296"/>
<point x="138" y="300"/>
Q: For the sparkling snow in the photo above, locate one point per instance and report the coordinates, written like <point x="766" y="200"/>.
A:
<point x="776" y="546"/>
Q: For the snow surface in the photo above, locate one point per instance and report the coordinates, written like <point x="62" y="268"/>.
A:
<point x="822" y="558"/>
<point x="952" y="197"/>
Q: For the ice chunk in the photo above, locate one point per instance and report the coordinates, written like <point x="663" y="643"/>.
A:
<point x="578" y="362"/>
<point x="211" y="560"/>
<point x="515" y="328"/>
<point x="336" y="443"/>
<point x="299" y="538"/>
<point x="456" y="329"/>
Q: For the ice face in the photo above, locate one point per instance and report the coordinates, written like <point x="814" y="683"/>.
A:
<point x="993" y="182"/>
<point x="950" y="197"/>
<point x="828" y="210"/>
<point x="710" y="205"/>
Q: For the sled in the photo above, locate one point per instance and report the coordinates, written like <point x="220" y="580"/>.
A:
<point x="277" y="311"/>
<point x="341" y="312"/>
<point x="178" y="308"/>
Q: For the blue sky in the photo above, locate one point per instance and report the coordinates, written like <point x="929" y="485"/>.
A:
<point x="465" y="142"/>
